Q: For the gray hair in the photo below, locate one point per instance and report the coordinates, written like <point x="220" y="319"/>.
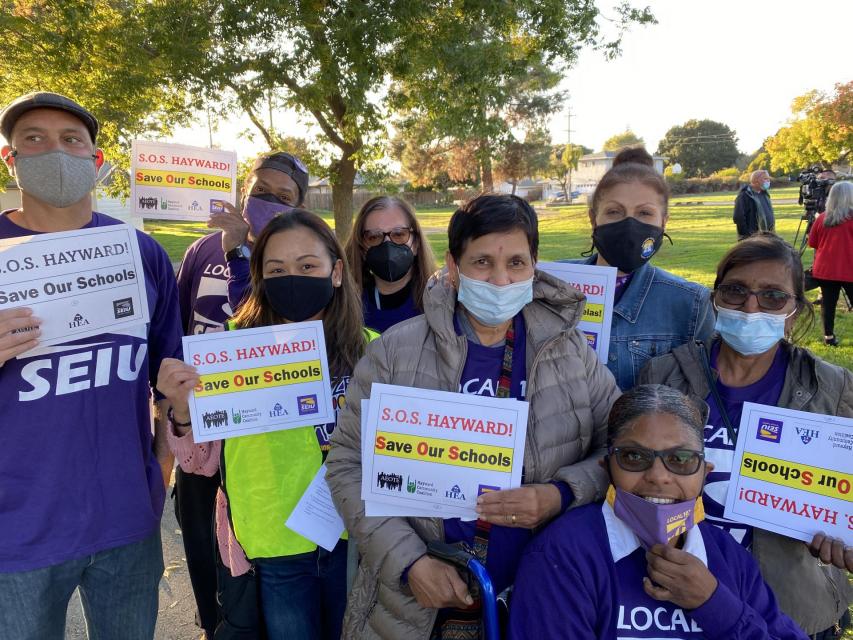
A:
<point x="649" y="399"/>
<point x="758" y="172"/>
<point x="839" y="204"/>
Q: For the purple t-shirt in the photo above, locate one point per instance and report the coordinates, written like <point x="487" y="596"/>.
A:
<point x="203" y="286"/>
<point x="480" y="376"/>
<point x="380" y="319"/>
<point x="78" y="469"/>
<point x="719" y="448"/>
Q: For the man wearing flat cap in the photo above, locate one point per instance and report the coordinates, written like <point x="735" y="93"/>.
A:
<point x="276" y="183"/>
<point x="82" y="486"/>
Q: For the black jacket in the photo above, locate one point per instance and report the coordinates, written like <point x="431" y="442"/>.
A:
<point x="746" y="212"/>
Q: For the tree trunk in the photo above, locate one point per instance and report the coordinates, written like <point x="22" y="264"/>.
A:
<point x="569" y="188"/>
<point x="342" y="175"/>
<point x="486" y="173"/>
<point x="514" y="182"/>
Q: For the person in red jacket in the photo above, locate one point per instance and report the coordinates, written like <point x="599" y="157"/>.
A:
<point x="832" y="238"/>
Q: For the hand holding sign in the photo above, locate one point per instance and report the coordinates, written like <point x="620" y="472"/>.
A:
<point x="235" y="230"/>
<point x="832" y="551"/>
<point x="19" y="332"/>
<point x="175" y="380"/>
<point x="526" y="507"/>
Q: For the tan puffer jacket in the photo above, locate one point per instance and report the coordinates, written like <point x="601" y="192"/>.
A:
<point x="570" y="395"/>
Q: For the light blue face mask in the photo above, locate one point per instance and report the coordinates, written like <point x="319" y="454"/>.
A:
<point x="750" y="333"/>
<point x="765" y="185"/>
<point x="493" y="305"/>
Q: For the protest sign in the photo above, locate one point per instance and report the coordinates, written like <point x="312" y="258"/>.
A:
<point x="598" y="284"/>
<point x="177" y="182"/>
<point x="80" y="283"/>
<point x="791" y="473"/>
<point x="259" y="380"/>
<point x="437" y="451"/>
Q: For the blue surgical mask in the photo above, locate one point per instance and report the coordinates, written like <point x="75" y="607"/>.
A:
<point x="750" y="333"/>
<point x="765" y="185"/>
<point x="493" y="305"/>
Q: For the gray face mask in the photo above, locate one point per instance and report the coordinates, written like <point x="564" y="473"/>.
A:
<point x="57" y="178"/>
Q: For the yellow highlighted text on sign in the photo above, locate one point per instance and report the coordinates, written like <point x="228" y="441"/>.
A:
<point x="216" y="384"/>
<point x="593" y="312"/>
<point x="182" y="180"/>
<point x="472" y="456"/>
<point x="825" y="482"/>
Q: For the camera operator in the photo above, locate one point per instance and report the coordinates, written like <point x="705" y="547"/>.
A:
<point x="832" y="238"/>
<point x="753" y="209"/>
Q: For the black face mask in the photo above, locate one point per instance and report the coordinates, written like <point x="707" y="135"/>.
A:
<point x="627" y="244"/>
<point x="297" y="298"/>
<point x="389" y="261"/>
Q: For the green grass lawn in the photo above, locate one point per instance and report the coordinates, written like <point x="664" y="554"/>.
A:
<point x="701" y="235"/>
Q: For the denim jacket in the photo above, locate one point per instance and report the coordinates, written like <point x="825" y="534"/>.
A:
<point x="656" y="313"/>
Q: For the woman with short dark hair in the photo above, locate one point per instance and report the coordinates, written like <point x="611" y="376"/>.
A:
<point x="761" y="310"/>
<point x="492" y="325"/>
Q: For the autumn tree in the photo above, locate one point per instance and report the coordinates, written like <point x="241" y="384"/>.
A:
<point x="701" y="147"/>
<point x="820" y="131"/>
<point x="518" y="159"/>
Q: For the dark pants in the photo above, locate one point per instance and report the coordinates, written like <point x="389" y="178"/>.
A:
<point x="829" y="290"/>
<point x="195" y="501"/>
<point x="304" y="596"/>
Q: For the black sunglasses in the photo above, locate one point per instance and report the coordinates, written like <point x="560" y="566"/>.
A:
<point x="682" y="462"/>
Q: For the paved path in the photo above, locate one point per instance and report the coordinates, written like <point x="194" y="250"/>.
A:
<point x="176" y="620"/>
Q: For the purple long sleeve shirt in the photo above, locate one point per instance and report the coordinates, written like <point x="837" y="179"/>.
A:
<point x="583" y="578"/>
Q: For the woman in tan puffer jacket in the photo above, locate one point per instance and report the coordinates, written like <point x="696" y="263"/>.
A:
<point x="491" y="298"/>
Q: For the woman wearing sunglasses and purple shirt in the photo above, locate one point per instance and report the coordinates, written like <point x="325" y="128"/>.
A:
<point x="391" y="261"/>
<point x="760" y="300"/>
<point x="616" y="570"/>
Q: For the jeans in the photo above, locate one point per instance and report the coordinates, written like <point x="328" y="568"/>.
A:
<point x="118" y="589"/>
<point x="304" y="596"/>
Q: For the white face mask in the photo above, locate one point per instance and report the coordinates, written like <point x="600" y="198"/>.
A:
<point x="57" y="178"/>
<point x="490" y="304"/>
<point x="750" y="333"/>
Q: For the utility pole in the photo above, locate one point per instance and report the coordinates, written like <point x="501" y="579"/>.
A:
<point x="209" y="128"/>
<point x="569" y="145"/>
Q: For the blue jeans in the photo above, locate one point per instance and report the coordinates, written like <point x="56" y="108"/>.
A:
<point x="304" y="596"/>
<point x="118" y="589"/>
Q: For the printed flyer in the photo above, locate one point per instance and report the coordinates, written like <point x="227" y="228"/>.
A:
<point x="177" y="182"/>
<point x="259" y="380"/>
<point x="598" y="284"/>
<point x="792" y="474"/>
<point x="79" y="283"/>
<point x="437" y="451"/>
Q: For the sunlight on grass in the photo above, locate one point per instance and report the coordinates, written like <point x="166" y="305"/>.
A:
<point x="700" y="234"/>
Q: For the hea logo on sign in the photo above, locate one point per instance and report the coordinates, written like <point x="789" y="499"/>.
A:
<point x="769" y="430"/>
<point x="454" y="493"/>
<point x="807" y="435"/>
